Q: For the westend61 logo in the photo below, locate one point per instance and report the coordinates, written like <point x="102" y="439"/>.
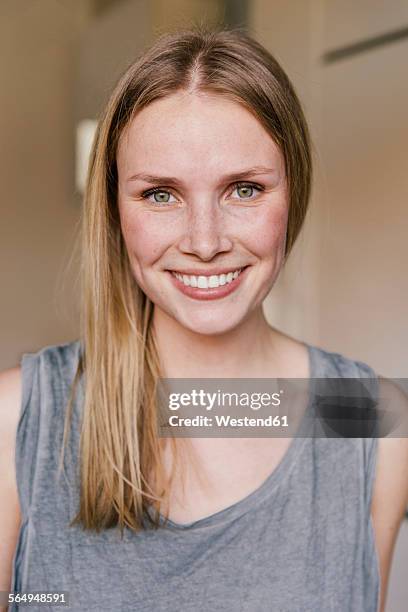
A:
<point x="204" y="399"/>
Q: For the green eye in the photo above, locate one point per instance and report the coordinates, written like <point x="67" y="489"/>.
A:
<point x="160" y="196"/>
<point x="243" y="191"/>
<point x="246" y="190"/>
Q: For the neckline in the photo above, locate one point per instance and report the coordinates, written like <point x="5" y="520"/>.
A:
<point x="280" y="472"/>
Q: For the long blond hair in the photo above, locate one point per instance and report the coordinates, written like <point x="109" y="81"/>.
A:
<point x="121" y="466"/>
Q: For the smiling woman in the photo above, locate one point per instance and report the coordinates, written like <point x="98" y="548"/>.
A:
<point x="208" y="240"/>
<point x="198" y="187"/>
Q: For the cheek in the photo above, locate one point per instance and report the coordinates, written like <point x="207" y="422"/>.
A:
<point x="266" y="233"/>
<point x="146" y="235"/>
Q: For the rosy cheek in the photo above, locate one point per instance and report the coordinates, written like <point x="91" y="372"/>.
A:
<point x="276" y="222"/>
<point x="146" y="235"/>
<point x="265" y="229"/>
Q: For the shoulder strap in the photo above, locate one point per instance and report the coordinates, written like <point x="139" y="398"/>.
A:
<point x="28" y="429"/>
<point x="335" y="365"/>
<point x="47" y="376"/>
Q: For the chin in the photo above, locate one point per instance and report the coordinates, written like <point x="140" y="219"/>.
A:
<point x="211" y="325"/>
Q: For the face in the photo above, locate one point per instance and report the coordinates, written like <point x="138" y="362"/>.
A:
<point x="203" y="206"/>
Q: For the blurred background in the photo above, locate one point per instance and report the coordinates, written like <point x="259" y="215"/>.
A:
<point x="345" y="286"/>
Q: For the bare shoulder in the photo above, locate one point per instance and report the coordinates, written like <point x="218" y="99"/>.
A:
<point x="390" y="492"/>
<point x="10" y="404"/>
<point x="293" y="355"/>
<point x="10" y="401"/>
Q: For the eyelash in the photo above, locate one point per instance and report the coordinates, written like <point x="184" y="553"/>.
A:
<point x="237" y="185"/>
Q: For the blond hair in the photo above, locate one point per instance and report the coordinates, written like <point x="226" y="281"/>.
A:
<point x="121" y="466"/>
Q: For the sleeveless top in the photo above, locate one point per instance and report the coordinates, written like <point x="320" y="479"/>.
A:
<point x="303" y="541"/>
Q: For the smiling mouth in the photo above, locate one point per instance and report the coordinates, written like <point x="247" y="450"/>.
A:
<point x="207" y="281"/>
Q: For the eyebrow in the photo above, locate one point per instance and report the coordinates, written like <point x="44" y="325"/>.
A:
<point x="234" y="176"/>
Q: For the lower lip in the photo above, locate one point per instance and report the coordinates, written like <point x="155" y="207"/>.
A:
<point x="209" y="294"/>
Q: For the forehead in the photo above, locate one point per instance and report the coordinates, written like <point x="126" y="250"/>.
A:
<point x="190" y="132"/>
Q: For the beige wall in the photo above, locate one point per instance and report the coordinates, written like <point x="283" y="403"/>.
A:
<point x="348" y="21"/>
<point x="365" y="251"/>
<point x="37" y="65"/>
<point x="107" y="44"/>
<point x="347" y="288"/>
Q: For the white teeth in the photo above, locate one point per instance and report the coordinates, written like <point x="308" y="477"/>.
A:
<point x="202" y="282"/>
<point x="207" y="282"/>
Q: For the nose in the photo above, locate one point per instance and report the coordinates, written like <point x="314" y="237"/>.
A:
<point x="205" y="234"/>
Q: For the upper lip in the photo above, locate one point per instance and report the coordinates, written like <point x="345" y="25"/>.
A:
<point x="206" y="272"/>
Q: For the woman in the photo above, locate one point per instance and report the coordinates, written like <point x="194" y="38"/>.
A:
<point x="198" y="186"/>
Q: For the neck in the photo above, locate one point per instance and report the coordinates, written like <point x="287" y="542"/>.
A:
<point x="246" y="351"/>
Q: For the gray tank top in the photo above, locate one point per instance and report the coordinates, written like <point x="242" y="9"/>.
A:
<point x="301" y="542"/>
